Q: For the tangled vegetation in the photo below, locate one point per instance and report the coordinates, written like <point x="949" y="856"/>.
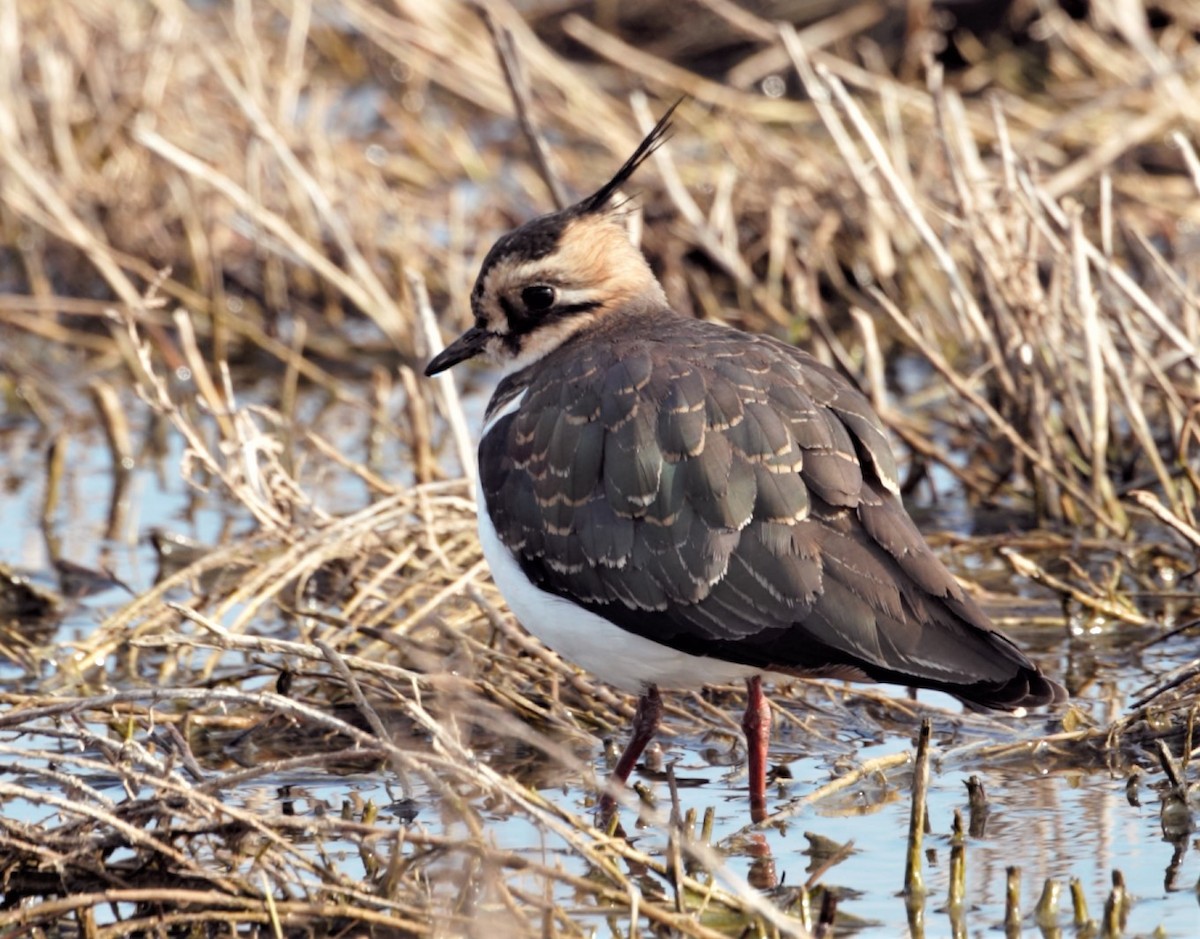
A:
<point x="244" y="227"/>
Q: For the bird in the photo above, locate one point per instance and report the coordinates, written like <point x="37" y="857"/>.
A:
<point x="669" y="502"/>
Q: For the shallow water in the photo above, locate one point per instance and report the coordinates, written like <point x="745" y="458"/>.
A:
<point x="1053" y="816"/>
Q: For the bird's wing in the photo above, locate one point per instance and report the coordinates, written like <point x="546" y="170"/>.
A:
<point x="735" y="499"/>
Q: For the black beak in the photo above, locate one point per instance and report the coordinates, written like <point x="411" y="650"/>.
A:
<point x="466" y="346"/>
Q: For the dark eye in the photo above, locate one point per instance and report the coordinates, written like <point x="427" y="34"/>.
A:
<point x="538" y="297"/>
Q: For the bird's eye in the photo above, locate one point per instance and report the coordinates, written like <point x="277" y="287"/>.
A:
<point x="538" y="297"/>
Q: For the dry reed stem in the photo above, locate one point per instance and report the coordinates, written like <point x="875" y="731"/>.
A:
<point x="958" y="128"/>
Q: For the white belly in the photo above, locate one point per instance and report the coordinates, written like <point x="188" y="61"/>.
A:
<point x="613" y="655"/>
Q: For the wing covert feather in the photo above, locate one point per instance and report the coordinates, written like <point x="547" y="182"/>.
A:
<point x="728" y="495"/>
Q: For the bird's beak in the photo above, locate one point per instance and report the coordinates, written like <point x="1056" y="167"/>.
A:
<point x="466" y="346"/>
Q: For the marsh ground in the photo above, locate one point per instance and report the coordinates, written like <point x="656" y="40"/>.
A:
<point x="254" y="674"/>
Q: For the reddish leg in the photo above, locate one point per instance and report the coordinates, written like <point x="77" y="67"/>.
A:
<point x="757" y="724"/>
<point x="645" y="723"/>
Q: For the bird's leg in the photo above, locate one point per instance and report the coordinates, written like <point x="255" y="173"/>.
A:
<point x="645" y="723"/>
<point x="757" y="724"/>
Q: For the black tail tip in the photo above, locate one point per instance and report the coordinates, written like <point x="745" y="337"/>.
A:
<point x="1028" y="689"/>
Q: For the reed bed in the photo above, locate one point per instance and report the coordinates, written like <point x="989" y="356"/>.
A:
<point x="212" y="217"/>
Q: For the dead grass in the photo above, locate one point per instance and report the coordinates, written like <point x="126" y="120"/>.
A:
<point x="1035" y="250"/>
<point x="1004" y="257"/>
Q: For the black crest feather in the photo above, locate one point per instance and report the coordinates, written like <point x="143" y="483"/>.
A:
<point x="601" y="197"/>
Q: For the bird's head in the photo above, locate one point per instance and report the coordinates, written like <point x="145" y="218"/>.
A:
<point x="556" y="274"/>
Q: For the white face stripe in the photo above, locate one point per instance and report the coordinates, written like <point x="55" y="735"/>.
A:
<point x="566" y="296"/>
<point x="505" y="278"/>
<point x="593" y="262"/>
<point x="620" y="658"/>
<point x="538" y="344"/>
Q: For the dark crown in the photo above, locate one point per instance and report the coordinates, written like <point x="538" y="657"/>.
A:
<point x="539" y="237"/>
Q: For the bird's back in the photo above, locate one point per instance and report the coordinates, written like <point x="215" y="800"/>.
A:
<point x="729" y="496"/>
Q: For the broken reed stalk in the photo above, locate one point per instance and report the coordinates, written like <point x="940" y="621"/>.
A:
<point x="1116" y="908"/>
<point x="1079" y="908"/>
<point x="958" y="866"/>
<point x="1012" y="902"/>
<point x="1046" y="912"/>
<point x="957" y="891"/>
<point x="977" y="806"/>
<point x="914" y="883"/>
<point x="706" y="825"/>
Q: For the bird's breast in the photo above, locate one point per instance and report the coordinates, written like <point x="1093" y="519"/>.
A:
<point x="614" y="655"/>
